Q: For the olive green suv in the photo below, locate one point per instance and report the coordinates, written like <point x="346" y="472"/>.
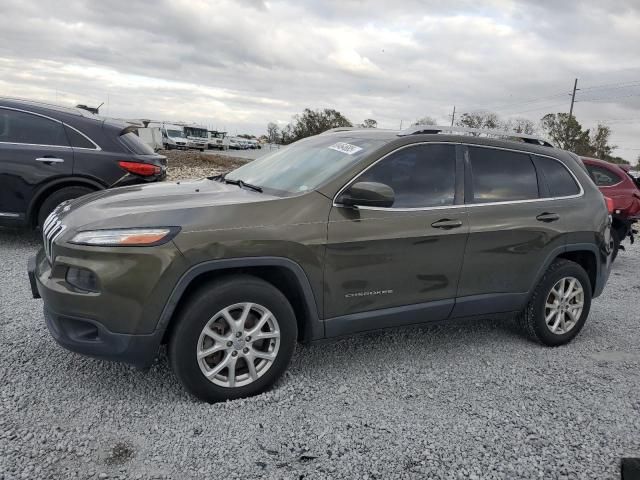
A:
<point x="344" y="232"/>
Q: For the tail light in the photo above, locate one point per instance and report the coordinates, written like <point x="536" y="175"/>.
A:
<point x="610" y="205"/>
<point x="142" y="169"/>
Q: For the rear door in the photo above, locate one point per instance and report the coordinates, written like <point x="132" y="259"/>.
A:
<point x="33" y="149"/>
<point x="515" y="223"/>
<point x="407" y="256"/>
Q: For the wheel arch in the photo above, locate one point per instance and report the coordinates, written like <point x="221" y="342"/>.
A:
<point x="47" y="189"/>
<point x="584" y="254"/>
<point x="283" y="273"/>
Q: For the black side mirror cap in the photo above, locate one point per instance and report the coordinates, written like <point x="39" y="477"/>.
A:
<point x="367" y="194"/>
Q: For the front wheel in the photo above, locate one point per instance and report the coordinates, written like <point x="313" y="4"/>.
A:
<point x="559" y="305"/>
<point x="233" y="339"/>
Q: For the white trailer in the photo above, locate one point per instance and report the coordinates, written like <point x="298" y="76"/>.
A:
<point x="152" y="136"/>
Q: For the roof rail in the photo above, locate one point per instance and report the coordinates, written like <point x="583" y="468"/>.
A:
<point x="341" y="129"/>
<point x="432" y="129"/>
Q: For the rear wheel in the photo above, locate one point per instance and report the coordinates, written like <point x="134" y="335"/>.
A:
<point x="615" y="238"/>
<point x="560" y="304"/>
<point x="233" y="339"/>
<point x="56" y="198"/>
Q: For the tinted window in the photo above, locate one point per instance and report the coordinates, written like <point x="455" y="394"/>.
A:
<point x="421" y="176"/>
<point x="77" y="140"/>
<point x="501" y="175"/>
<point x="603" y="177"/>
<point x="558" y="178"/>
<point x="20" y="127"/>
<point x="135" y="145"/>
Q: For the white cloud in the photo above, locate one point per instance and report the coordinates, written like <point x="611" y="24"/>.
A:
<point x="242" y="64"/>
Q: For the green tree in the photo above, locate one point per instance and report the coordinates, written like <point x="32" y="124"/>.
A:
<point x="425" y="121"/>
<point x="567" y="133"/>
<point x="313" y="122"/>
<point x="369" y="123"/>
<point x="480" y="119"/>
<point x="600" y="142"/>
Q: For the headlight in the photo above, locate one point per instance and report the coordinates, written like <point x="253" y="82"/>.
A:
<point x="125" y="237"/>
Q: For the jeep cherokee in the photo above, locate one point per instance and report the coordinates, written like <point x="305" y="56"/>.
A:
<point x="344" y="232"/>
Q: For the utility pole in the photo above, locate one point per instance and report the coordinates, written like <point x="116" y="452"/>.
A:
<point x="573" y="97"/>
<point x="400" y="124"/>
<point x="453" y="115"/>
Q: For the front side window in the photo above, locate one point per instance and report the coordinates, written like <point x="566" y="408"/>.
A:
<point x="21" y="127"/>
<point x="420" y="176"/>
<point x="560" y="182"/>
<point x="603" y="177"/>
<point x="501" y="176"/>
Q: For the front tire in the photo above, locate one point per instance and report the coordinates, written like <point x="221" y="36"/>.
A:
<point x="559" y="305"/>
<point x="56" y="198"/>
<point x="234" y="338"/>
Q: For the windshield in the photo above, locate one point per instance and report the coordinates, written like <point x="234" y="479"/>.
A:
<point x="175" y="133"/>
<point x="306" y="164"/>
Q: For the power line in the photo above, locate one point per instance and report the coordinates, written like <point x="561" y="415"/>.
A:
<point x="630" y="83"/>
<point x="609" y="98"/>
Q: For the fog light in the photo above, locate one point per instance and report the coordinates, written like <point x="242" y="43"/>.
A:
<point x="82" y="279"/>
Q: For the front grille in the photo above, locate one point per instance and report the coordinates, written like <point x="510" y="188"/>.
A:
<point x="51" y="230"/>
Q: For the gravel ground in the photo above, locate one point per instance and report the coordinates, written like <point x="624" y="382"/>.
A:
<point x="469" y="400"/>
<point x="193" y="164"/>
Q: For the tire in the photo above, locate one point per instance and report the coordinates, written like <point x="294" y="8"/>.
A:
<point x="206" y="305"/>
<point x="533" y="318"/>
<point x="615" y="238"/>
<point x="56" y="198"/>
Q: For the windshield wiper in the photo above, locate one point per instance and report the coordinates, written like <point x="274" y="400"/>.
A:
<point x="242" y="184"/>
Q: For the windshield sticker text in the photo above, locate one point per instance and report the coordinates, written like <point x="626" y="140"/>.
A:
<point x="345" y="148"/>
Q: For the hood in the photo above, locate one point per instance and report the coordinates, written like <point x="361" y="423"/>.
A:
<point x="157" y="204"/>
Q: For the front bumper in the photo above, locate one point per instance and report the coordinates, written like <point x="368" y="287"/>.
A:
<point x="119" y="322"/>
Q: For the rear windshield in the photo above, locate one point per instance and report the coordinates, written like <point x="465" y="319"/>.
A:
<point x="306" y="164"/>
<point x="135" y="145"/>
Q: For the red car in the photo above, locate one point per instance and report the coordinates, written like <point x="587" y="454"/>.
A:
<point x="618" y="185"/>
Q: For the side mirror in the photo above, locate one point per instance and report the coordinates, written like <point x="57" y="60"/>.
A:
<point x="367" y="194"/>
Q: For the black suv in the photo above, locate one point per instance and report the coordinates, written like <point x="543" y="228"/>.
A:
<point x="348" y="231"/>
<point x="49" y="154"/>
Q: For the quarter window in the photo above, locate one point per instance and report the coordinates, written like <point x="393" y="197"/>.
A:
<point x="603" y="177"/>
<point x="560" y="182"/>
<point x="501" y="176"/>
<point x="21" y="127"/>
<point x="421" y="175"/>
<point x="77" y="140"/>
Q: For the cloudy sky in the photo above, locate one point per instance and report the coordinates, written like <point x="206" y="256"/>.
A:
<point x="238" y="65"/>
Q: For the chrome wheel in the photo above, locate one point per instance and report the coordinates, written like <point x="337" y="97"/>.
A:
<point x="238" y="345"/>
<point x="564" y="305"/>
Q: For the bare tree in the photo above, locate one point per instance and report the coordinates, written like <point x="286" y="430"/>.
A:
<point x="519" y="125"/>
<point x="480" y="119"/>
<point x="272" y="132"/>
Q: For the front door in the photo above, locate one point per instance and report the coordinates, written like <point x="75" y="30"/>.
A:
<point x="398" y="265"/>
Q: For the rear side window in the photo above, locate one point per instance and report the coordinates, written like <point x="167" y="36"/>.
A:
<point x="21" y="127"/>
<point x="77" y="140"/>
<point x="421" y="176"/>
<point x="603" y="177"/>
<point x="501" y="176"/>
<point x="560" y="182"/>
<point x="135" y="145"/>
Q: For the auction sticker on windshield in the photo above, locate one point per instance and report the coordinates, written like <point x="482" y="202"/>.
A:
<point x="345" y="148"/>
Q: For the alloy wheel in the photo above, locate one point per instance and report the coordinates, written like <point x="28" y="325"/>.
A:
<point x="238" y="345"/>
<point x="564" y="305"/>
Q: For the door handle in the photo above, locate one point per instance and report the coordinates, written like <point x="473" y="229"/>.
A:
<point x="548" y="217"/>
<point x="447" y="224"/>
<point x="49" y="160"/>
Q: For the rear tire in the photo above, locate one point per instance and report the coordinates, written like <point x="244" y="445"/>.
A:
<point x="615" y="238"/>
<point x="546" y="309"/>
<point x="56" y="198"/>
<point x="212" y="321"/>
